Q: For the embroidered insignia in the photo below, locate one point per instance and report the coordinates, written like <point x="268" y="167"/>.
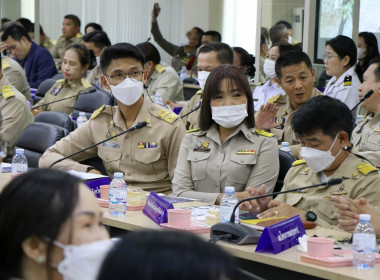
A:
<point x="298" y="162"/>
<point x="245" y="152"/>
<point x="7" y="92"/>
<point x="347" y="80"/>
<point x="97" y="112"/>
<point x="264" y="133"/>
<point x="366" y="168"/>
<point x="146" y="145"/>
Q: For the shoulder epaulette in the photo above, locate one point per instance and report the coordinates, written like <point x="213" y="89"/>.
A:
<point x="347" y="80"/>
<point x="264" y="133"/>
<point x="193" y="130"/>
<point x="60" y="81"/>
<point x="4" y="64"/>
<point x="79" y="35"/>
<point x="366" y="168"/>
<point x="298" y="162"/>
<point x="260" y="84"/>
<point x="97" y="112"/>
<point x="85" y="83"/>
<point x="167" y="116"/>
<point x="6" y="92"/>
<point x="160" y="68"/>
<point x="274" y="98"/>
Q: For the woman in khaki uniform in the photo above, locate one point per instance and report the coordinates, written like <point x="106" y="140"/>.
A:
<point x="226" y="151"/>
<point x="75" y="62"/>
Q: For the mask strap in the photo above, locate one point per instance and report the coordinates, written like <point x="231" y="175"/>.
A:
<point x="336" y="137"/>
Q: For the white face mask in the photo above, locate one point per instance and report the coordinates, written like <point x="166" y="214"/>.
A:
<point x="128" y="91"/>
<point x="318" y="160"/>
<point x="202" y="78"/>
<point x="97" y="60"/>
<point x="229" y="116"/>
<point x="361" y="54"/>
<point x="83" y="262"/>
<point x="269" y="68"/>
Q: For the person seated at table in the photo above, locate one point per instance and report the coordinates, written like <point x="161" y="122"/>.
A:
<point x="147" y="156"/>
<point x="296" y="76"/>
<point x="41" y="214"/>
<point x="75" y="63"/>
<point x="170" y="255"/>
<point x="349" y="211"/>
<point x="226" y="150"/>
<point x="366" y="135"/>
<point x="323" y="126"/>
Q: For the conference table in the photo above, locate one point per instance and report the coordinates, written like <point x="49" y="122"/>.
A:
<point x="285" y="265"/>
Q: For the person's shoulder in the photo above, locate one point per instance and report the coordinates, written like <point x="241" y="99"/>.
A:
<point x="7" y="92"/>
<point x="5" y="64"/>
<point x="163" y="115"/>
<point x="261" y="133"/>
<point x="104" y="110"/>
<point x="85" y="83"/>
<point x="196" y="132"/>
<point x="367" y="169"/>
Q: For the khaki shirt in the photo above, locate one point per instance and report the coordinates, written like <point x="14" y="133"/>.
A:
<point x="15" y="113"/>
<point x="360" y="179"/>
<point x="192" y="120"/>
<point x="284" y="116"/>
<point x="205" y="166"/>
<point x="61" y="89"/>
<point x="150" y="168"/>
<point x="49" y="44"/>
<point x="94" y="76"/>
<point x="16" y="76"/>
<point x="366" y="138"/>
<point x="61" y="45"/>
<point x="166" y="82"/>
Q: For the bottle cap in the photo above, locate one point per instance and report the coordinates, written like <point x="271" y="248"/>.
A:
<point x="365" y="217"/>
<point x="118" y="175"/>
<point x="229" y="190"/>
<point x="284" y="143"/>
<point x="19" y="151"/>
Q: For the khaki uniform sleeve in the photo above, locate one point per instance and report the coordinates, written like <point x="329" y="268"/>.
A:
<point x="163" y="43"/>
<point x="170" y="88"/>
<point x="18" y="79"/>
<point x="296" y="149"/>
<point x="183" y="184"/>
<point x="54" y="52"/>
<point x="174" y="142"/>
<point x="75" y="141"/>
<point x="266" y="169"/>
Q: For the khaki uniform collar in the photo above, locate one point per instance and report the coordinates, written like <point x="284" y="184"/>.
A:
<point x="4" y="82"/>
<point x="213" y="133"/>
<point x="289" y="107"/>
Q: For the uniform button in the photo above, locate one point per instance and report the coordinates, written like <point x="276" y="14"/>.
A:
<point x="355" y="174"/>
<point x="248" y="135"/>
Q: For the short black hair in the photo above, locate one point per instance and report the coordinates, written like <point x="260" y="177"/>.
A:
<point x="292" y="58"/>
<point x="277" y="32"/>
<point x="36" y="203"/>
<point x="120" y="50"/>
<point x="225" y="55"/>
<point x="6" y="25"/>
<point x="94" y="25"/>
<point x="16" y="32"/>
<point x="285" y="23"/>
<point x="171" y="255"/>
<point x="74" y="18"/>
<point x="199" y="35"/>
<point x="150" y="52"/>
<point x="26" y="23"/>
<point x="212" y="88"/>
<point x="4" y="20"/>
<point x="99" y="38"/>
<point x="215" y="35"/>
<point x="330" y="115"/>
<point x="376" y="61"/>
<point x="343" y="46"/>
<point x="263" y="40"/>
<point x="284" y="48"/>
<point x="82" y="52"/>
<point x="246" y="59"/>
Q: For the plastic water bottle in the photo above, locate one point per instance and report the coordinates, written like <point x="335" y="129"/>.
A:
<point x="158" y="99"/>
<point x="183" y="73"/>
<point x="364" y="243"/>
<point x="117" y="196"/>
<point x="81" y="120"/>
<point x="285" y="147"/>
<point x="227" y="204"/>
<point x="358" y="118"/>
<point x="19" y="162"/>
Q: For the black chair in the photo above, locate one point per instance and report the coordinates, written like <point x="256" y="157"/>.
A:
<point x="42" y="89"/>
<point x="58" y="76"/>
<point x="36" y="138"/>
<point x="88" y="103"/>
<point x="189" y="90"/>
<point x="58" y="118"/>
<point x="97" y="163"/>
<point x="286" y="161"/>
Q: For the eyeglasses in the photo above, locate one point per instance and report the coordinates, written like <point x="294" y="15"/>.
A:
<point x="119" y="77"/>
<point x="328" y="56"/>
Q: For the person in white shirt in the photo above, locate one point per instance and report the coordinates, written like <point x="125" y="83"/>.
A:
<point x="340" y="59"/>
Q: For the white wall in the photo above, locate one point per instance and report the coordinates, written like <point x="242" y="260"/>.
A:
<point x="27" y="9"/>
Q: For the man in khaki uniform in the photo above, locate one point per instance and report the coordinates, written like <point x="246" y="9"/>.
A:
<point x="324" y="126"/>
<point x="366" y="135"/>
<point x="296" y="76"/>
<point x="162" y="79"/>
<point x="210" y="56"/>
<point x="15" y="113"/>
<point x="16" y="76"/>
<point x="46" y="42"/>
<point x="70" y="35"/>
<point x="61" y="89"/>
<point x="147" y="156"/>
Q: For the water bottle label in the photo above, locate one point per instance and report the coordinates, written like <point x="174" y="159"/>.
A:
<point x="117" y="196"/>
<point x="19" y="167"/>
<point x="364" y="243"/>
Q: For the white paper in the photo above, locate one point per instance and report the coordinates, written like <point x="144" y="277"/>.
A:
<point x="85" y="175"/>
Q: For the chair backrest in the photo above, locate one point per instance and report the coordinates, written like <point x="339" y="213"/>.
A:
<point x="88" y="103"/>
<point x="58" y="76"/>
<point x="286" y="161"/>
<point x="42" y="89"/>
<point x="58" y="118"/>
<point x="37" y="137"/>
<point x="189" y="90"/>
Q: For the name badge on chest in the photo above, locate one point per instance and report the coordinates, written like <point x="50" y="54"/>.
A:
<point x="111" y="145"/>
<point x="280" y="121"/>
<point x="56" y="91"/>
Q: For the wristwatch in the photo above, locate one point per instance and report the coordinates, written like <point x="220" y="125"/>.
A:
<point x="311" y="216"/>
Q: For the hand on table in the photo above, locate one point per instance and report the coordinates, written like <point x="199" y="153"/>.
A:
<point x="256" y="205"/>
<point x="94" y="171"/>
<point x="278" y="208"/>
